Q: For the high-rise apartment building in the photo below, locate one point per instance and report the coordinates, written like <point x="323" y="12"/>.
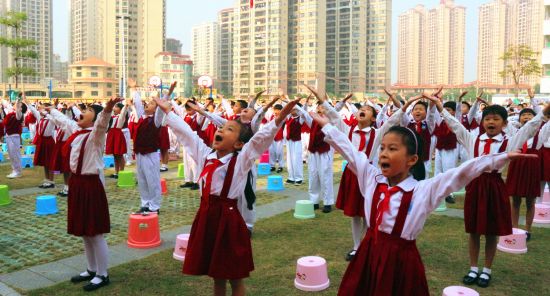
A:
<point x="505" y="23"/>
<point x="60" y="69"/>
<point x="545" y="79"/>
<point x="378" y="32"/>
<point x="125" y="33"/>
<point x="205" y="49"/>
<point x="38" y="27"/>
<point x="225" y="51"/>
<point x="173" y="45"/>
<point x="432" y="45"/>
<point x="172" y="67"/>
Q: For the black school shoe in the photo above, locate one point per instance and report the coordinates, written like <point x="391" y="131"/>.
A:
<point x="195" y="186"/>
<point x="186" y="185"/>
<point x="289" y="181"/>
<point x="92" y="287"/>
<point x="297" y="183"/>
<point x="78" y="278"/>
<point x="528" y="236"/>
<point x="483" y="283"/>
<point x="272" y="169"/>
<point x="327" y="209"/>
<point x="469" y="280"/>
<point x="350" y="255"/>
<point x="47" y="186"/>
<point x="279" y="170"/>
<point x="143" y="210"/>
<point x="450" y="199"/>
<point x="316" y="206"/>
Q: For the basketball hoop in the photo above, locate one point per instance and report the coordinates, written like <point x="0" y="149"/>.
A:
<point x="155" y="81"/>
<point x="205" y="81"/>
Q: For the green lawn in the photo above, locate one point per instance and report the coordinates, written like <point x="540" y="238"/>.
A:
<point x="279" y="241"/>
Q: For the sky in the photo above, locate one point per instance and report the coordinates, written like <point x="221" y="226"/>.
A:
<point x="183" y="14"/>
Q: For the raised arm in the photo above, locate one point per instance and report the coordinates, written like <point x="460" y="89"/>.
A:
<point x="63" y="121"/>
<point x="122" y="117"/>
<point x="138" y="105"/>
<point x="527" y="131"/>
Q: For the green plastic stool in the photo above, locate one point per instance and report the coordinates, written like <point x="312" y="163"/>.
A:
<point x="304" y="209"/>
<point x="4" y="195"/>
<point x="126" y="179"/>
<point x="180" y="170"/>
<point x="442" y="206"/>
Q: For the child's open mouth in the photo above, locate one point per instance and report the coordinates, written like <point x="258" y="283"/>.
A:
<point x="218" y="138"/>
<point x="362" y="114"/>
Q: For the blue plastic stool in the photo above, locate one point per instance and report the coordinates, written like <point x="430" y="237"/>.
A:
<point x="25" y="129"/>
<point x="25" y="136"/>
<point x="275" y="183"/>
<point x="4" y="147"/>
<point x="344" y="164"/>
<point x="109" y="161"/>
<point x="1" y="157"/>
<point x="30" y="150"/>
<point x="46" y="205"/>
<point x="264" y="169"/>
<point x="26" y="162"/>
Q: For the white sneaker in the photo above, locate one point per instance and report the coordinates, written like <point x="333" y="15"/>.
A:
<point x="128" y="163"/>
<point x="14" y="175"/>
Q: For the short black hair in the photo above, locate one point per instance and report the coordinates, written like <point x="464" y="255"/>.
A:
<point x="97" y="109"/>
<point x="527" y="110"/>
<point x="120" y="105"/>
<point x="243" y="104"/>
<point x="495" y="110"/>
<point x="450" y="104"/>
<point x="23" y="108"/>
<point x="245" y="132"/>
<point x="278" y="107"/>
<point x="467" y="104"/>
<point x="357" y="105"/>
<point x="423" y="104"/>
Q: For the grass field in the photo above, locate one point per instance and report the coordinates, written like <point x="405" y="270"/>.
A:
<point x="279" y="241"/>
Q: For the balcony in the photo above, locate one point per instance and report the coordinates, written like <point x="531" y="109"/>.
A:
<point x="546" y="56"/>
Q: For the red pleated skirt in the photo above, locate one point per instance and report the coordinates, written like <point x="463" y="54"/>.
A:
<point x="45" y="147"/>
<point x="58" y="163"/>
<point x="87" y="206"/>
<point x="164" y="139"/>
<point x="116" y="142"/>
<point x="487" y="206"/>
<point x="524" y="178"/>
<point x="209" y="134"/>
<point x="389" y="266"/>
<point x="350" y="199"/>
<point x="545" y="166"/>
<point x="132" y="127"/>
<point x="1" y="129"/>
<point x="219" y="244"/>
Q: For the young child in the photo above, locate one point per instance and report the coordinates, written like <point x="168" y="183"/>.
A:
<point x="146" y="144"/>
<point x="87" y="206"/>
<point x="524" y="175"/>
<point x="190" y="170"/>
<point x="13" y="122"/>
<point x="219" y="244"/>
<point x="58" y="162"/>
<point x="294" y="164"/>
<point x="45" y="143"/>
<point x="365" y="138"/>
<point x="397" y="204"/>
<point x="276" y="149"/>
<point x="116" y="141"/>
<point x="486" y="205"/>
<point x="164" y="146"/>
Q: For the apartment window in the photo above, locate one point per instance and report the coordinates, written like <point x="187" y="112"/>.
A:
<point x="94" y="84"/>
<point x="95" y="93"/>
<point x="78" y="74"/>
<point x="93" y="74"/>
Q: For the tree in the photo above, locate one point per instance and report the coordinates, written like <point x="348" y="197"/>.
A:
<point x="14" y="21"/>
<point x="520" y="61"/>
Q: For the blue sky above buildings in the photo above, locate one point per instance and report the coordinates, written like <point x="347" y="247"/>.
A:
<point x="183" y="14"/>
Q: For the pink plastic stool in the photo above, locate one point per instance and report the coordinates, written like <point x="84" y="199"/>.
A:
<point x="163" y="186"/>
<point x="264" y="158"/>
<point x="311" y="274"/>
<point x="546" y="197"/>
<point x="459" y="291"/>
<point x="181" y="246"/>
<point x="515" y="243"/>
<point x="542" y="214"/>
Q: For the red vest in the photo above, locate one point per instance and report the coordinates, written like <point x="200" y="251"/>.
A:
<point x="426" y="136"/>
<point x="293" y="129"/>
<point x="446" y="139"/>
<point x="317" y="142"/>
<point x="147" y="138"/>
<point x="12" y="125"/>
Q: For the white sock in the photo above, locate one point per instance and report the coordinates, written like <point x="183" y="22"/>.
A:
<point x="357" y="231"/>
<point x="96" y="280"/>
<point x="90" y="254"/>
<point x="86" y="273"/>
<point x="66" y="188"/>
<point x="487" y="270"/>
<point x="473" y="271"/>
<point x="101" y="251"/>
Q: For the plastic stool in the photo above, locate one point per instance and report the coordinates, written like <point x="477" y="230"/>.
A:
<point x="515" y="243"/>
<point x="181" y="246"/>
<point x="304" y="209"/>
<point x="275" y="183"/>
<point x="546" y="197"/>
<point x="25" y="129"/>
<point x="180" y="170"/>
<point x="264" y="158"/>
<point x="126" y="179"/>
<point x="1" y="156"/>
<point x="542" y="214"/>
<point x="311" y="274"/>
<point x="143" y="231"/>
<point x="344" y="164"/>
<point x="109" y="161"/>
<point x="46" y="205"/>
<point x="264" y="169"/>
<point x="163" y="186"/>
<point x="459" y="291"/>
<point x="442" y="206"/>
<point x="4" y="147"/>
<point x="26" y="162"/>
<point x="30" y="150"/>
<point x="25" y="136"/>
<point x="4" y="195"/>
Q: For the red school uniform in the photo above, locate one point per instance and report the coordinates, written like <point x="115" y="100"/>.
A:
<point x="45" y="143"/>
<point x="524" y="175"/>
<point x="116" y="142"/>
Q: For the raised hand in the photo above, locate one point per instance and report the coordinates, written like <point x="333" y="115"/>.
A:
<point x="314" y="92"/>
<point x="285" y="111"/>
<point x="172" y="87"/>
<point x="531" y="93"/>
<point x="132" y="83"/>
<point x="194" y="107"/>
<point x="438" y="91"/>
<point x="321" y="119"/>
<point x="270" y="104"/>
<point x="349" y="96"/>
<point x="164" y="105"/>
<point x="518" y="155"/>
<point x="435" y="101"/>
<point x="410" y="101"/>
<point x="111" y="103"/>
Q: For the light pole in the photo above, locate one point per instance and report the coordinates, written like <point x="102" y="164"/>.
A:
<point x="122" y="33"/>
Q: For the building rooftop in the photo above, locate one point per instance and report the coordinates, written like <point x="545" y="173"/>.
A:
<point x="93" y="62"/>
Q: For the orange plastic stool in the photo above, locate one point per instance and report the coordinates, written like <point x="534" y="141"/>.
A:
<point x="143" y="231"/>
<point x="163" y="186"/>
